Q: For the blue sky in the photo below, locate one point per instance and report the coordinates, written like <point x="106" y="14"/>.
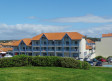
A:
<point x="27" y="18"/>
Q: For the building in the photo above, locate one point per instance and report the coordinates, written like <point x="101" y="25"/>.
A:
<point x="65" y="44"/>
<point x="104" y="47"/>
<point x="6" y="47"/>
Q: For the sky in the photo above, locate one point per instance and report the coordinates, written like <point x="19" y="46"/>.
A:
<point x="27" y="18"/>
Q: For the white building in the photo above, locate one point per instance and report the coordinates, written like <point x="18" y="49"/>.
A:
<point x="104" y="47"/>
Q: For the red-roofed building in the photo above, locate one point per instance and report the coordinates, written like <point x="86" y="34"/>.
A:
<point x="65" y="44"/>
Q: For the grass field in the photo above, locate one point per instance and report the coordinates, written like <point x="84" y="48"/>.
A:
<point x="55" y="74"/>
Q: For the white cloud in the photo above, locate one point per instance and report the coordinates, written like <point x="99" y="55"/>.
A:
<point x="20" y="31"/>
<point x="96" y="31"/>
<point x="32" y="17"/>
<point x="84" y="19"/>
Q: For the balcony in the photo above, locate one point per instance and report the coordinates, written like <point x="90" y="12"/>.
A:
<point x="51" y="44"/>
<point x="28" y="49"/>
<point x="74" y="50"/>
<point x="42" y="45"/>
<point x="36" y="44"/>
<point x="50" y="50"/>
<point x="58" y="44"/>
<point x="59" y="50"/>
<point x="66" y="45"/>
<point x="74" y="44"/>
<point x="22" y="49"/>
<point x="36" y="50"/>
<point x="16" y="49"/>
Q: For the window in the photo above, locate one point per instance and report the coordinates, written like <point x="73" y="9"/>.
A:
<point x="67" y="43"/>
<point x="75" y="55"/>
<point x="44" y="48"/>
<point x="37" y="43"/>
<point x="67" y="48"/>
<point x="59" y="48"/>
<point x="59" y="54"/>
<point x="53" y="42"/>
<point x="76" y="42"/>
<point x="36" y="48"/>
<point x="76" y="48"/>
<point x="23" y="47"/>
<point x="29" y="47"/>
<point x="45" y="43"/>
<point x="52" y="48"/>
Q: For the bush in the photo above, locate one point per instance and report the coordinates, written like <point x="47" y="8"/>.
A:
<point x="98" y="57"/>
<point x="72" y="63"/>
<point x="23" y="60"/>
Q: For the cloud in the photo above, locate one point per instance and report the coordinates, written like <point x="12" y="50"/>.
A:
<point x="32" y="17"/>
<point x="95" y="31"/>
<point x="83" y="19"/>
<point x="20" y="31"/>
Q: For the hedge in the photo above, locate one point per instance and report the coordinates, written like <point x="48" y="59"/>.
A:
<point x="52" y="61"/>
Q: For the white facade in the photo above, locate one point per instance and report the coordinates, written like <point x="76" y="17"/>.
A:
<point x="104" y="47"/>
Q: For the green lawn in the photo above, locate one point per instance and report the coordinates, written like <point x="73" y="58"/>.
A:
<point x="55" y="74"/>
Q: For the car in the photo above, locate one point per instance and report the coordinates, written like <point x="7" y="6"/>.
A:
<point x="102" y="60"/>
<point x="91" y="63"/>
<point x="109" y="59"/>
<point x="99" y="63"/>
<point x="81" y="59"/>
<point x="87" y="59"/>
<point x="95" y="60"/>
<point x="8" y="55"/>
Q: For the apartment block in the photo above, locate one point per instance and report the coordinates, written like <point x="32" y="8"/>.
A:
<point x="64" y="44"/>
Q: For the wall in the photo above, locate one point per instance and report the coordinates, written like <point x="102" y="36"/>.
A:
<point x="82" y="48"/>
<point x="104" y="47"/>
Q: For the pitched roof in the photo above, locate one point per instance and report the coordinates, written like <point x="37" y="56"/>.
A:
<point x="0" y="46"/>
<point x="107" y="35"/>
<point x="89" y="41"/>
<point x="88" y="47"/>
<point x="16" y="43"/>
<point x="37" y="37"/>
<point x="6" y="49"/>
<point x="27" y="41"/>
<point x="59" y="36"/>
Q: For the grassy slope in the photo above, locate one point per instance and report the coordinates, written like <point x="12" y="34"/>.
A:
<point x="54" y="74"/>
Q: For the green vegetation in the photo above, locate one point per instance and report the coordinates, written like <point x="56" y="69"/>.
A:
<point x="52" y="61"/>
<point x="99" y="57"/>
<point x="55" y="74"/>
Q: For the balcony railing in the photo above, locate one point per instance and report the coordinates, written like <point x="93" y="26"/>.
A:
<point x="36" y="50"/>
<point x="22" y="49"/>
<point x="28" y="49"/>
<point x="36" y="44"/>
<point x="16" y="49"/>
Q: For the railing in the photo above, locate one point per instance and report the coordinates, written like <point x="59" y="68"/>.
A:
<point x="36" y="50"/>
<point x="16" y="49"/>
<point x="22" y="49"/>
<point x="74" y="44"/>
<point x="36" y="44"/>
<point x="50" y="50"/>
<point x="28" y="49"/>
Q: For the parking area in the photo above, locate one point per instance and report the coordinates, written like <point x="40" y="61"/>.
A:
<point x="103" y="63"/>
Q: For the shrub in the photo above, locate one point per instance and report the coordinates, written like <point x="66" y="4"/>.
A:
<point x="98" y="57"/>
<point x="45" y="61"/>
<point x="23" y="60"/>
<point x="72" y="63"/>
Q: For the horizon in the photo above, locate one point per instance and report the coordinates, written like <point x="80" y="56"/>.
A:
<point x="28" y="18"/>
